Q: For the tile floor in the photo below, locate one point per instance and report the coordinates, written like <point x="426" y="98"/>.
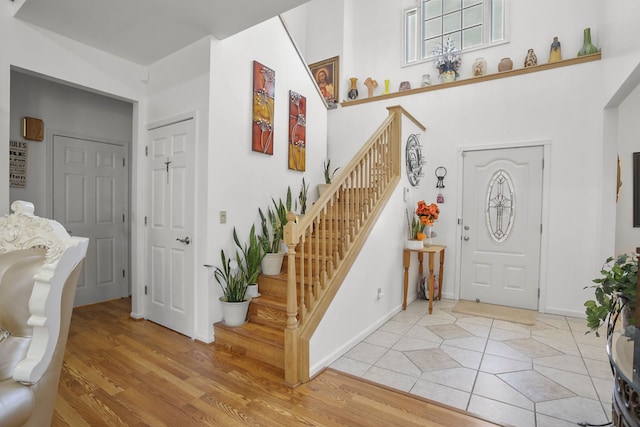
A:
<point x="547" y="375"/>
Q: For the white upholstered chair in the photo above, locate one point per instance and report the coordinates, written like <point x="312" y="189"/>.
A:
<point x="40" y="265"/>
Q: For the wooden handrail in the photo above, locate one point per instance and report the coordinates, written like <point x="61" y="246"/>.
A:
<point x="323" y="244"/>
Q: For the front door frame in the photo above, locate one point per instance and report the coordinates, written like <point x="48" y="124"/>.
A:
<point x="544" y="241"/>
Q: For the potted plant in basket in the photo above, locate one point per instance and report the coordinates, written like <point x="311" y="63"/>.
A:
<point x="253" y="255"/>
<point x="233" y="283"/>
<point x="615" y="292"/>
<point x="328" y="176"/>
<point x="447" y="59"/>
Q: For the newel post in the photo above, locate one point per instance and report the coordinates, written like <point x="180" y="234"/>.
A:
<point x="291" y="351"/>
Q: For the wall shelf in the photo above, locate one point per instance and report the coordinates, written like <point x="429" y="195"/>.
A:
<point x="472" y="80"/>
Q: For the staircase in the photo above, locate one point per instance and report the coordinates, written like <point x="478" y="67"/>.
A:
<point x="322" y="248"/>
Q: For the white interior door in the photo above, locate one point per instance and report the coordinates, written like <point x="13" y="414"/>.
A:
<point x="501" y="226"/>
<point x="170" y="297"/>
<point x="90" y="193"/>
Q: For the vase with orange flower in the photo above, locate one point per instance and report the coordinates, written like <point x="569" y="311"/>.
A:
<point x="427" y="214"/>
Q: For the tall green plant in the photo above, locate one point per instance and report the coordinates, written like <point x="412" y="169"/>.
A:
<point x="328" y="173"/>
<point x="231" y="278"/>
<point x="302" y="197"/>
<point x="252" y="254"/>
<point x="271" y="232"/>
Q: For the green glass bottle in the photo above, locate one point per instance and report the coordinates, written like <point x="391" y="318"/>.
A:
<point x="587" y="47"/>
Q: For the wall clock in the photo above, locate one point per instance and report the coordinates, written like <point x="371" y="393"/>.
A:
<point x="414" y="159"/>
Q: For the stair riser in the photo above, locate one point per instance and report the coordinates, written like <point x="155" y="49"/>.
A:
<point x="251" y="348"/>
<point x="268" y="316"/>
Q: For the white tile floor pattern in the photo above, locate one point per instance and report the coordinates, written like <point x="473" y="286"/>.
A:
<point x="547" y="375"/>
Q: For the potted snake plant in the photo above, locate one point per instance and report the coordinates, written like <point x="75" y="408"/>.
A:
<point x="253" y="255"/>
<point x="233" y="283"/>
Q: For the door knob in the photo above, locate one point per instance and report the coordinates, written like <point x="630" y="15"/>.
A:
<point x="466" y="238"/>
<point x="186" y="240"/>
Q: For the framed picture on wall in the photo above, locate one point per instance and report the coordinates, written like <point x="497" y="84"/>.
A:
<point x="327" y="75"/>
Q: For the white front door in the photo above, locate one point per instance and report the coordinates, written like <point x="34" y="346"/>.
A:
<point x="170" y="296"/>
<point x="501" y="226"/>
<point x="90" y="194"/>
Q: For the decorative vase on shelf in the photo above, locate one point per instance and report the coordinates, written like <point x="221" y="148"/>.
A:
<point x="386" y="86"/>
<point x="587" y="47"/>
<point x="531" y="59"/>
<point x="426" y="80"/>
<point x="353" y="90"/>
<point x="448" y="76"/>
<point x="479" y="67"/>
<point x="555" y="53"/>
<point x="505" y="64"/>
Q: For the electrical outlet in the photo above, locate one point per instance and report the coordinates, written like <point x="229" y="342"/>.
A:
<point x="223" y="217"/>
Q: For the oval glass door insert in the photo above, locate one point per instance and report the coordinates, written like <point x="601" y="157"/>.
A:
<point x="500" y="206"/>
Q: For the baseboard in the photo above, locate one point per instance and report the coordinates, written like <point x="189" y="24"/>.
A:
<point x="564" y="312"/>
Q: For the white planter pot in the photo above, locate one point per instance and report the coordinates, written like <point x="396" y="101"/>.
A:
<point x="414" y="244"/>
<point x="322" y="188"/>
<point x="272" y="264"/>
<point x="252" y="291"/>
<point x="234" y="313"/>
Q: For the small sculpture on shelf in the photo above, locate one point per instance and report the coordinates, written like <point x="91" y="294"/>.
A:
<point x="531" y="59"/>
<point x="555" y="54"/>
<point x="426" y="80"/>
<point x="405" y="85"/>
<point x="479" y="67"/>
<point x="371" y="85"/>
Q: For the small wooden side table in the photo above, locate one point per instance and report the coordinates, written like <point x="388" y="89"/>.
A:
<point x="431" y="250"/>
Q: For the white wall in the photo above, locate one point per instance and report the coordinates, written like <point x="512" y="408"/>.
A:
<point x="242" y="180"/>
<point x="36" y="50"/>
<point x="62" y="108"/>
<point x="627" y="237"/>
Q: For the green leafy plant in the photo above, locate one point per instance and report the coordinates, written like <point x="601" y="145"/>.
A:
<point x="231" y="279"/>
<point x="272" y="231"/>
<point x="619" y="280"/>
<point x="252" y="254"/>
<point x="302" y="197"/>
<point x="328" y="173"/>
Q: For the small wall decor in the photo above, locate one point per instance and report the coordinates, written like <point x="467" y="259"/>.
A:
<point x="327" y="76"/>
<point x="405" y="85"/>
<point x="297" y="131"/>
<point x="32" y="129"/>
<point x="414" y="159"/>
<point x="441" y="172"/>
<point x="531" y="59"/>
<point x="264" y="82"/>
<point x="353" y="88"/>
<point x="17" y="164"/>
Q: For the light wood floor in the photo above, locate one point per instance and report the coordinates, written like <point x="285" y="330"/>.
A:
<point x="119" y="371"/>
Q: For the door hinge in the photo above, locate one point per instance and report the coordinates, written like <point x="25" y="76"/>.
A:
<point x="145" y="289"/>
<point x="145" y="220"/>
<point x="146" y="150"/>
<point x="123" y="274"/>
<point x="540" y="228"/>
<point x="123" y="163"/>
<point x="538" y="292"/>
<point x="122" y="217"/>
<point x="542" y="163"/>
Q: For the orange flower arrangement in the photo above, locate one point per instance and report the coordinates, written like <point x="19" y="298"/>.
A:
<point x="427" y="213"/>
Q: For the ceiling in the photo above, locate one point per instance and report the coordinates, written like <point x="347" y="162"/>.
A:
<point x="144" y="31"/>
